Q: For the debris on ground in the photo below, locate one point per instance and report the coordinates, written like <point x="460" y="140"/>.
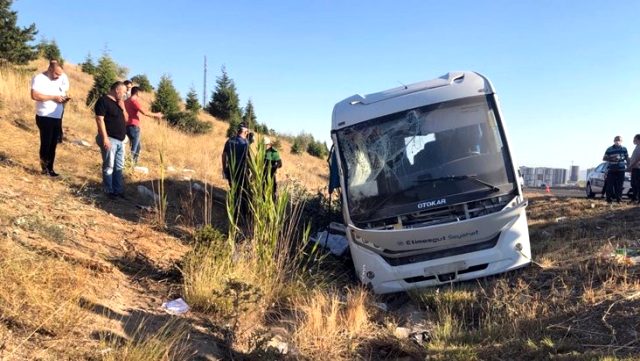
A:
<point x="626" y="255"/>
<point x="176" y="307"/>
<point x="81" y="142"/>
<point x="336" y="243"/>
<point x="141" y="170"/>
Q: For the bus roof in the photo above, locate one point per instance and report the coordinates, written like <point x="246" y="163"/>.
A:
<point x="453" y="85"/>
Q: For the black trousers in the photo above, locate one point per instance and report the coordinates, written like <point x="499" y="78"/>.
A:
<point x="241" y="196"/>
<point x="50" y="129"/>
<point x="635" y="183"/>
<point x="615" y="181"/>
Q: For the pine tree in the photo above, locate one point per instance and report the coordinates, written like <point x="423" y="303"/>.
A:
<point x="224" y="102"/>
<point x="50" y="51"/>
<point x="142" y="82"/>
<point x="234" y="123"/>
<point x="249" y="117"/>
<point x="105" y="75"/>
<point x="192" y="103"/>
<point x="167" y="98"/>
<point x="88" y="66"/>
<point x="14" y="40"/>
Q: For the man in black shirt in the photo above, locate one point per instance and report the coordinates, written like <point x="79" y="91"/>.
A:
<point x="111" y="124"/>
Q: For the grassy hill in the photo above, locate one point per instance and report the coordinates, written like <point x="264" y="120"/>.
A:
<point x="84" y="278"/>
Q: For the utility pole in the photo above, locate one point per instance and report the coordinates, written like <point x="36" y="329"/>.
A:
<point x="204" y="90"/>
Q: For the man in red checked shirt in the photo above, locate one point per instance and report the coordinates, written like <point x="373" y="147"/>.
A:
<point x="134" y="109"/>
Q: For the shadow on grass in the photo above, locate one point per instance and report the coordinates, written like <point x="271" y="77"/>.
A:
<point x="187" y="204"/>
<point x="139" y="325"/>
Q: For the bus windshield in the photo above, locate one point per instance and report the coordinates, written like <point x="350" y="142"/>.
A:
<point x="450" y="148"/>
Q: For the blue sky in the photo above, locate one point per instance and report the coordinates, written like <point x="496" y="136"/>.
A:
<point x="566" y="72"/>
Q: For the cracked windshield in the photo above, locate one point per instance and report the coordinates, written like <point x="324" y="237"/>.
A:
<point x="426" y="153"/>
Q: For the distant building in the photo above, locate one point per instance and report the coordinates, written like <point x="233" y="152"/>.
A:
<point x="589" y="170"/>
<point x="538" y="177"/>
<point x="575" y="170"/>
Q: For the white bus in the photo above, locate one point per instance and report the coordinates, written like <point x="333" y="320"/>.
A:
<point x="430" y="191"/>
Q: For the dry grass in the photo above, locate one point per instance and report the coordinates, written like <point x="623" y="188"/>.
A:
<point x="38" y="297"/>
<point x="166" y="344"/>
<point x="328" y="328"/>
<point x="576" y="303"/>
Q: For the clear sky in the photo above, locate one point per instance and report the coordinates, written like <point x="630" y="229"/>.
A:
<point x="567" y="72"/>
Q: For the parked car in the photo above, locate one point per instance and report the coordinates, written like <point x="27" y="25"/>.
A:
<point x="596" y="181"/>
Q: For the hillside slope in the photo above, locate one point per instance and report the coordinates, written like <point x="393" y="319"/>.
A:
<point x="99" y="266"/>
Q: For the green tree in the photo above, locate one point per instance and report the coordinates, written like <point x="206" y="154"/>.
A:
<point x="122" y="71"/>
<point x="14" y="40"/>
<point x="142" y="82"/>
<point x="301" y="143"/>
<point x="49" y="50"/>
<point x="317" y="149"/>
<point x="234" y="122"/>
<point x="224" y="103"/>
<point x="188" y="122"/>
<point x="192" y="103"/>
<point x="105" y="75"/>
<point x="167" y="98"/>
<point x="249" y="117"/>
<point x="88" y="66"/>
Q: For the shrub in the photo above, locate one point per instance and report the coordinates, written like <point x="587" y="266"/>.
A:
<point x="142" y="82"/>
<point x="50" y="51"/>
<point x="317" y="149"/>
<point x="88" y="66"/>
<point x="301" y="143"/>
<point x="188" y="122"/>
<point x="267" y="263"/>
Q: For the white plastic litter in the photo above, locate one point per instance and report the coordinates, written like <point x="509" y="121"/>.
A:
<point x="82" y="142"/>
<point x="142" y="170"/>
<point x="337" y="244"/>
<point x="176" y="307"/>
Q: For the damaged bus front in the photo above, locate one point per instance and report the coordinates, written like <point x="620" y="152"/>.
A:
<point x="429" y="188"/>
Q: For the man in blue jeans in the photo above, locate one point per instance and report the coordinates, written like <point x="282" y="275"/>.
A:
<point x="110" y="120"/>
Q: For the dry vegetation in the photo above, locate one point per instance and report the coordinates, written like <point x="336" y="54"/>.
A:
<point x="83" y="277"/>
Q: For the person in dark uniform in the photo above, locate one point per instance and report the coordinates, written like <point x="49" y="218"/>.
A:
<point x="617" y="156"/>
<point x="235" y="168"/>
<point x="272" y="162"/>
<point x="634" y="167"/>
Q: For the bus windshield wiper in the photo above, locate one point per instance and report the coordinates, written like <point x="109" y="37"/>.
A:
<point x="460" y="177"/>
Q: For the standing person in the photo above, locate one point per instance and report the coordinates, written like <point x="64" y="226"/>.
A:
<point x="129" y="86"/>
<point x="235" y="168"/>
<point x="47" y="89"/>
<point x="134" y="109"/>
<point x="110" y="120"/>
<point x="617" y="156"/>
<point x="634" y="166"/>
<point x="272" y="162"/>
<point x="64" y="80"/>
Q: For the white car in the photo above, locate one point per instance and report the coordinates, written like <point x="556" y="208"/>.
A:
<point x="597" y="178"/>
